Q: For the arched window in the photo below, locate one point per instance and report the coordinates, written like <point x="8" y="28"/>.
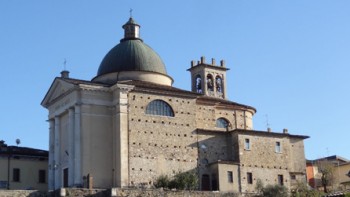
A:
<point x="222" y="123"/>
<point x="159" y="107"/>
<point x="198" y="84"/>
<point x="210" y="83"/>
<point x="218" y="83"/>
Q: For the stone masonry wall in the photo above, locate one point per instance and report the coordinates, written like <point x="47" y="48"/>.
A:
<point x="161" y="193"/>
<point x="115" y="192"/>
<point x="208" y="114"/>
<point x="212" y="147"/>
<point x="297" y="155"/>
<point x="22" y="193"/>
<point x="265" y="163"/>
<point x="160" y="145"/>
<point x="262" y="152"/>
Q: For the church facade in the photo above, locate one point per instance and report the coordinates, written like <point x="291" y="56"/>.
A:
<point x="129" y="125"/>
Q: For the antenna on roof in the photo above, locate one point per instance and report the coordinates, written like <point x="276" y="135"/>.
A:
<point x="130" y="12"/>
<point x="18" y="141"/>
<point x="64" y="64"/>
<point x="267" y="123"/>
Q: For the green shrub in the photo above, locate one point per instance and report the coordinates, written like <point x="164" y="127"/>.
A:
<point x="275" y="191"/>
<point x="302" y="190"/>
<point x="162" y="181"/>
<point x="259" y="187"/>
<point x="181" y="181"/>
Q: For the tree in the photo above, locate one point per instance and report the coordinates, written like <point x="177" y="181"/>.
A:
<point x="326" y="168"/>
<point x="302" y="190"/>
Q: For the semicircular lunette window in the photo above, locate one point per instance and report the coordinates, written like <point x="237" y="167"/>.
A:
<point x="160" y="108"/>
<point x="222" y="123"/>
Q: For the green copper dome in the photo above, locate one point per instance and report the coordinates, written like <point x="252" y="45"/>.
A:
<point x="131" y="54"/>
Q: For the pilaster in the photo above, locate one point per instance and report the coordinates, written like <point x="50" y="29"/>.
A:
<point x="57" y="162"/>
<point x="77" y="145"/>
<point x="71" y="151"/>
<point x="120" y="136"/>
<point x="51" y="175"/>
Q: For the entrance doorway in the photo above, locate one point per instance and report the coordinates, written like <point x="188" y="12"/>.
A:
<point x="65" y="177"/>
<point x="205" y="182"/>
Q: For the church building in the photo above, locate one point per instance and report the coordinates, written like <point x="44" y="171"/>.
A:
<point x="129" y="125"/>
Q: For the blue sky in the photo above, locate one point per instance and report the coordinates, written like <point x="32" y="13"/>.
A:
<point x="288" y="59"/>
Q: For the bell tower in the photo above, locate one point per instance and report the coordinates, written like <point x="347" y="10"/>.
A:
<point x="208" y="78"/>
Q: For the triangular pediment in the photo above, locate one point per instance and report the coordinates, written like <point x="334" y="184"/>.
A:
<point x="58" y="88"/>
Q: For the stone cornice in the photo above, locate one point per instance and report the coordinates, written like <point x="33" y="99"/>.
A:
<point x="93" y="88"/>
<point x="122" y="87"/>
<point x="166" y="93"/>
<point x="225" y="104"/>
<point x="51" y="102"/>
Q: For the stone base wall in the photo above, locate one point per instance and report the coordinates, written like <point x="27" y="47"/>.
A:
<point x="118" y="192"/>
<point x="115" y="192"/>
<point x="22" y="193"/>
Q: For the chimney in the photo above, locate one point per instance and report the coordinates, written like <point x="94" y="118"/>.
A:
<point x="2" y="143"/>
<point x="65" y="74"/>
<point x="285" y="131"/>
<point x="193" y="63"/>
<point x="222" y="63"/>
<point x="203" y="60"/>
<point x="213" y="61"/>
<point x="269" y="129"/>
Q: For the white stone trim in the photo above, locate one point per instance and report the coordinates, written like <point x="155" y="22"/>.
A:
<point x="51" y="173"/>
<point x="77" y="145"/>
<point x="71" y="120"/>
<point x="57" y="161"/>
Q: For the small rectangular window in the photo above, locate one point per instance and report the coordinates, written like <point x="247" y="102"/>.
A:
<point x="42" y="176"/>
<point x="16" y="175"/>
<point x="278" y="147"/>
<point x="249" y="178"/>
<point x="293" y="177"/>
<point x="247" y="144"/>
<point x="280" y="179"/>
<point x="230" y="176"/>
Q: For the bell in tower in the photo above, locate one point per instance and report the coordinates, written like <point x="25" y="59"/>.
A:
<point x="209" y="79"/>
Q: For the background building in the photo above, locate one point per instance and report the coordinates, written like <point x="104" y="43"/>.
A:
<point x="23" y="168"/>
<point x="340" y="179"/>
<point x="128" y="125"/>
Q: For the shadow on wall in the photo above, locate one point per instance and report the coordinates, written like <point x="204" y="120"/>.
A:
<point x="38" y="194"/>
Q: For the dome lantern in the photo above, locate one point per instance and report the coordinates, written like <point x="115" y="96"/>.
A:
<point x="132" y="59"/>
<point x="131" y="30"/>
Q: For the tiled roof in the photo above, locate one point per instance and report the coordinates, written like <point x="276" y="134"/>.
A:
<point x="257" y="132"/>
<point x="153" y="87"/>
<point x="79" y="81"/>
<point x="200" y="97"/>
<point x="22" y="151"/>
<point x="254" y="132"/>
